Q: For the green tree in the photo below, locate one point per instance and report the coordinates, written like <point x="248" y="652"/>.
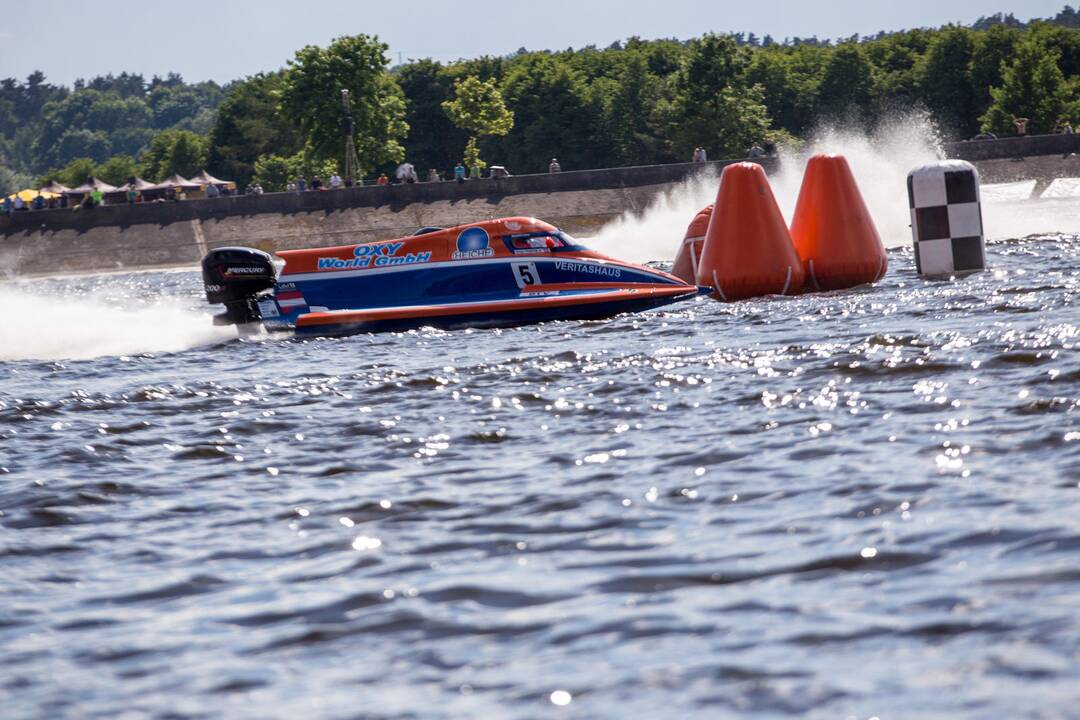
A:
<point x="12" y="181"/>
<point x="894" y="58"/>
<point x="553" y="116"/>
<point x="311" y="96"/>
<point x="81" y="142"/>
<point x="1033" y="86"/>
<point x="117" y="170"/>
<point x="433" y="140"/>
<point x="713" y="106"/>
<point x="274" y="172"/>
<point x="478" y="107"/>
<point x="847" y="86"/>
<point x="183" y="106"/>
<point x="75" y="173"/>
<point x="249" y="124"/>
<point x="944" y="81"/>
<point x="993" y="52"/>
<point x="174" y="151"/>
<point x="83" y="124"/>
<point x="629" y="112"/>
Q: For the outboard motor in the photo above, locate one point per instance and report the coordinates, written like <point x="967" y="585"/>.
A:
<point x="235" y="276"/>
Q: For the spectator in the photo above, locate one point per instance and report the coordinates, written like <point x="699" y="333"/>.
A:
<point x="459" y="173"/>
<point x="383" y="180"/>
<point x="212" y="191"/>
<point x="301" y="184"/>
<point x="7" y="205"/>
<point x="97" y="196"/>
<point x="554" y="166"/>
<point x="756" y="151"/>
<point x="476" y="173"/>
<point x="38" y="202"/>
<point x="1067" y="128"/>
<point x="316" y="183"/>
<point x="131" y="194"/>
<point x="406" y="173"/>
<point x="699" y="154"/>
<point x="1021" y="125"/>
<point x="349" y="182"/>
<point x="433" y="175"/>
<point x="19" y="204"/>
<point x="291" y="187"/>
<point x="335" y="181"/>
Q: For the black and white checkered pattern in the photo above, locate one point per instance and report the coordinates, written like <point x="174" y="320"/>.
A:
<point x="946" y="218"/>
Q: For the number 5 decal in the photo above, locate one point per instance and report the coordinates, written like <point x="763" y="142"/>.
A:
<point x="525" y="274"/>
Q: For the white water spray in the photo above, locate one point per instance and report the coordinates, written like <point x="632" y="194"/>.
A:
<point x="880" y="163"/>
<point x="41" y="326"/>
<point x="656" y="233"/>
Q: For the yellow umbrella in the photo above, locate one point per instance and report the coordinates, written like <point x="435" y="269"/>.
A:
<point x="29" y="194"/>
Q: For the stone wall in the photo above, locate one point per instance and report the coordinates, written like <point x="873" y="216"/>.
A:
<point x="1014" y="147"/>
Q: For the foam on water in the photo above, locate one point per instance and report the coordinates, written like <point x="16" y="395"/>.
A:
<point x="42" y="326"/>
<point x="880" y="162"/>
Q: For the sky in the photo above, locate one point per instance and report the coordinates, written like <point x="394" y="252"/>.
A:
<point x="227" y="40"/>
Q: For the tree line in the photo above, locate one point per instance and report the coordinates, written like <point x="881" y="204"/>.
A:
<point x="634" y="102"/>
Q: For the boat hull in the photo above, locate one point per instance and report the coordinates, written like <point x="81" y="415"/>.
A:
<point x="530" y="308"/>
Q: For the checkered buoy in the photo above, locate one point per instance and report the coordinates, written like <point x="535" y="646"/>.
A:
<point x="946" y="218"/>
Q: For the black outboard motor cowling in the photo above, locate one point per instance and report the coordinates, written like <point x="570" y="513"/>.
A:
<point x="235" y="276"/>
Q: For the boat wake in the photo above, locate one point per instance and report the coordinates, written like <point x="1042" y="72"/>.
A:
<point x="42" y="326"/>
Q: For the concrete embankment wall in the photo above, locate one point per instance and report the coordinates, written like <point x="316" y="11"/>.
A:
<point x="179" y="234"/>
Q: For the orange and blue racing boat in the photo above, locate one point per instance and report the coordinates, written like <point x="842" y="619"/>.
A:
<point x="510" y="271"/>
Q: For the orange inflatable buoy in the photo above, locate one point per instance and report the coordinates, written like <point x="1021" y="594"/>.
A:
<point x="686" y="260"/>
<point x="747" y="250"/>
<point x="832" y="229"/>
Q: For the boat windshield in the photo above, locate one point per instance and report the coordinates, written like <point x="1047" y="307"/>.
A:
<point x="554" y="240"/>
<point x="567" y="239"/>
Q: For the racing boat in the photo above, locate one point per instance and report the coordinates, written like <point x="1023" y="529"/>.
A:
<point x="509" y="271"/>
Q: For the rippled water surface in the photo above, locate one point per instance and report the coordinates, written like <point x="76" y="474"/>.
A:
<point x="846" y="505"/>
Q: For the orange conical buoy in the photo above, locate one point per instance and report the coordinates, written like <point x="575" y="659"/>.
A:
<point x="832" y="229"/>
<point x="748" y="250"/>
<point x="686" y="259"/>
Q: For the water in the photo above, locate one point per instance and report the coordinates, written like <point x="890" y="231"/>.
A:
<point x="844" y="505"/>
<point x="856" y="504"/>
